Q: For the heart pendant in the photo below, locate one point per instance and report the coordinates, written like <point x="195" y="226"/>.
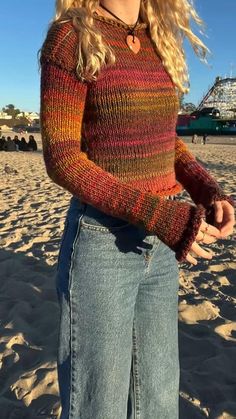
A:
<point x="133" y="43"/>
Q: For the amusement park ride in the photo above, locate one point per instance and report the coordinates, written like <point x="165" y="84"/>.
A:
<point x="216" y="114"/>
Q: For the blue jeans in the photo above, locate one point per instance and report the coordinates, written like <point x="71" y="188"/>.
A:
<point x="118" y="341"/>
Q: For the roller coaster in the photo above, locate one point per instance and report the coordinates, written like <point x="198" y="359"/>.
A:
<point x="216" y="113"/>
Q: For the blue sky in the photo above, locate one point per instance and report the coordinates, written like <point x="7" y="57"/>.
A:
<point x="24" y="26"/>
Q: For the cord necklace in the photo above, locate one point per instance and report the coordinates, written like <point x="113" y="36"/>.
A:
<point x="132" y="40"/>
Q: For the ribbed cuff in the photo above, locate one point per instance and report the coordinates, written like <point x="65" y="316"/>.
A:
<point x="190" y="233"/>
<point x="215" y="193"/>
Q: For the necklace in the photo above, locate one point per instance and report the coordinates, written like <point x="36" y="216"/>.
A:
<point x="131" y="39"/>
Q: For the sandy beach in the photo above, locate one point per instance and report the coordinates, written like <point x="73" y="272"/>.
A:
<point x="32" y="215"/>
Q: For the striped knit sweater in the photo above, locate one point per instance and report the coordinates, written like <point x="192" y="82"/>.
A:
<point x="112" y="142"/>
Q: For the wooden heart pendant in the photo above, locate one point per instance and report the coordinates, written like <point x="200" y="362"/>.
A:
<point x="133" y="43"/>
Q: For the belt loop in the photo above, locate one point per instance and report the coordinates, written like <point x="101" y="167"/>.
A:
<point x="83" y="205"/>
<point x="78" y="202"/>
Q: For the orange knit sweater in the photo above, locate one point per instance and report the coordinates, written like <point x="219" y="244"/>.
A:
<point x="112" y="142"/>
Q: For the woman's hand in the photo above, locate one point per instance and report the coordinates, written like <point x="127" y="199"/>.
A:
<point x="224" y="217"/>
<point x="206" y="234"/>
<point x="224" y="224"/>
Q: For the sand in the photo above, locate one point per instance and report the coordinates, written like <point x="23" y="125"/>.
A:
<point x="31" y="221"/>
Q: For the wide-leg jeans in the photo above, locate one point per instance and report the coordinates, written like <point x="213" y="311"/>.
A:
<point x="117" y="287"/>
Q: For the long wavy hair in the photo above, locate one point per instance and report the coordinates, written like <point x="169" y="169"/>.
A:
<point x="168" y="23"/>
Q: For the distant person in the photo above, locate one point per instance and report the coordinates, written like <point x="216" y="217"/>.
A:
<point x="204" y="139"/>
<point x="9" y="145"/>
<point x="194" y="139"/>
<point x="23" y="146"/>
<point x="17" y="142"/>
<point x="2" y="142"/>
<point x="32" y="145"/>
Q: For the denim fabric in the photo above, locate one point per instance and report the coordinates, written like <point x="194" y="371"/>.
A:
<point x="118" y="341"/>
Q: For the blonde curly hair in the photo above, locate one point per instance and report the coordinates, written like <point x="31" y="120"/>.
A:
<point x="168" y="22"/>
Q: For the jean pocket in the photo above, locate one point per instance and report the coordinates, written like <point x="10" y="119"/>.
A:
<point x="97" y="220"/>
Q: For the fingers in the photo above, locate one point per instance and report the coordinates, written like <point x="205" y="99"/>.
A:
<point x="227" y="230"/>
<point x="191" y="259"/>
<point x="207" y="234"/>
<point x="224" y="217"/>
<point x="203" y="237"/>
<point x="218" y="212"/>
<point x="227" y="225"/>
<point x="199" y="251"/>
<point x="210" y="229"/>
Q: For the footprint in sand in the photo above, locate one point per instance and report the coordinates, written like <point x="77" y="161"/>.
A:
<point x="191" y="314"/>
<point x="227" y="331"/>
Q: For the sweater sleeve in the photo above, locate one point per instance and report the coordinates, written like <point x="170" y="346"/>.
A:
<point x="201" y="186"/>
<point x="63" y="99"/>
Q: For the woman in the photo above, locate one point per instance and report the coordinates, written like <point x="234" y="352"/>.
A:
<point x="32" y="144"/>
<point x="23" y="146"/>
<point x="111" y="75"/>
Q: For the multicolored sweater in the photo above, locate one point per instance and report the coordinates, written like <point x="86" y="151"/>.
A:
<point x="112" y="142"/>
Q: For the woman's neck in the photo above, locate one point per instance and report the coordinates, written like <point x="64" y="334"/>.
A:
<point x="126" y="10"/>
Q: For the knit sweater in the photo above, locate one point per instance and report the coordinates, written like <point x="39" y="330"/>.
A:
<point x="112" y="142"/>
